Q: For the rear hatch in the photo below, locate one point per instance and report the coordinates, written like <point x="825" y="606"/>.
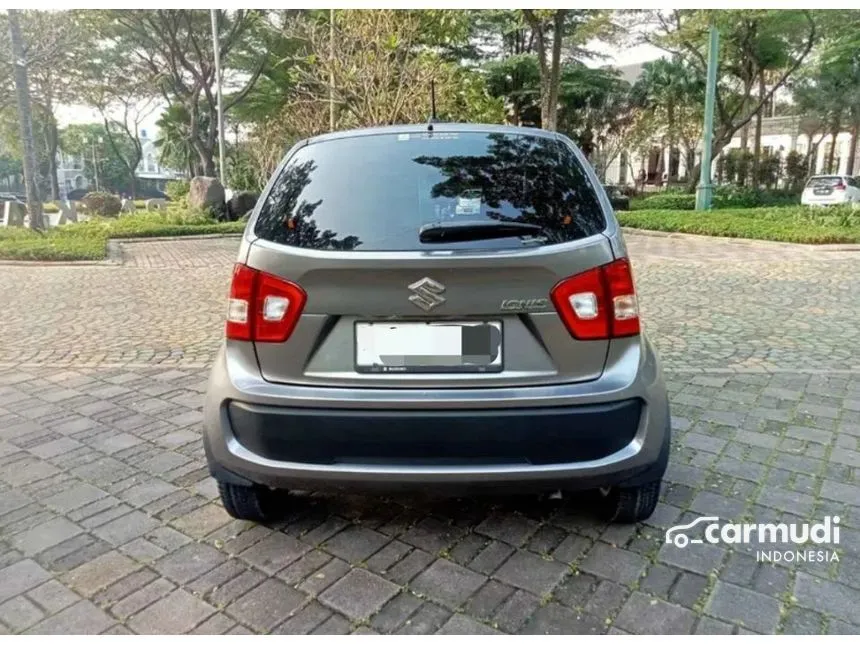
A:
<point x="428" y="259"/>
<point x="825" y="190"/>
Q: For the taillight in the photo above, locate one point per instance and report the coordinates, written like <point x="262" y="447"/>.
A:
<point x="262" y="307"/>
<point x="599" y="303"/>
<point x="840" y="186"/>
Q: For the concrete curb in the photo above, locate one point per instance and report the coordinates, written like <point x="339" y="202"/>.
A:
<point x="172" y="238"/>
<point x="115" y="255"/>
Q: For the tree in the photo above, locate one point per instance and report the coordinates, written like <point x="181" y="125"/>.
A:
<point x="55" y="46"/>
<point x="828" y="96"/>
<point x="594" y="106"/>
<point x="90" y="141"/>
<point x="176" y="150"/>
<point x="379" y="68"/>
<point x="559" y="36"/>
<point x="25" y="118"/>
<point x="516" y="79"/>
<point x="746" y="36"/>
<point x="671" y="91"/>
<point x="170" y="50"/>
<point x="549" y="71"/>
<point x="838" y="59"/>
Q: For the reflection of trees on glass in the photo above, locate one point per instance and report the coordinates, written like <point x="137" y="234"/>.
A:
<point x="537" y="176"/>
<point x="287" y="220"/>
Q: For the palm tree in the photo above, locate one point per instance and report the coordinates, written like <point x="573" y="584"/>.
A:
<point x="665" y="86"/>
<point x="25" y="118"/>
<point x="174" y="142"/>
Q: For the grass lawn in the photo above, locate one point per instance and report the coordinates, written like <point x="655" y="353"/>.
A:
<point x="780" y="224"/>
<point x="88" y="240"/>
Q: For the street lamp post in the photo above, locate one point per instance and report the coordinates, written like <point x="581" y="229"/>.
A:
<point x="705" y="189"/>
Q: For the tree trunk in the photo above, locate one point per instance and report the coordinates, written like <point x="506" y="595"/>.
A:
<point x="670" y="114"/>
<point x="832" y="153"/>
<point x="757" y="142"/>
<point x="515" y="108"/>
<point x="852" y="151"/>
<point x="691" y="161"/>
<point x="25" y="119"/>
<point x="540" y="46"/>
<point x="207" y="160"/>
<point x="549" y="74"/>
<point x="812" y="156"/>
<point x="555" y="68"/>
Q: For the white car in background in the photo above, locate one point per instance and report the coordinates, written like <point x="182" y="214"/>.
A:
<point x="829" y="190"/>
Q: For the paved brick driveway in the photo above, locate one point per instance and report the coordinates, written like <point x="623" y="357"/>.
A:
<point x="109" y="522"/>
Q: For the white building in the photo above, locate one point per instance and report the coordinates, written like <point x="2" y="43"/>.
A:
<point x="71" y="175"/>
<point x="149" y="169"/>
<point x="70" y="172"/>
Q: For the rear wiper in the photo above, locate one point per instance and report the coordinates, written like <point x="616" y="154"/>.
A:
<point x="466" y="231"/>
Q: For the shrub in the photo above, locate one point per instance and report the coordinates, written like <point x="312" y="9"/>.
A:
<point x="103" y="204"/>
<point x="669" y="201"/>
<point x="787" y="224"/>
<point x="177" y="189"/>
<point x="796" y="166"/>
<point x="724" y="197"/>
<point x="748" y="197"/>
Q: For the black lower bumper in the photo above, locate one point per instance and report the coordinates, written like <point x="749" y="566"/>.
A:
<point x="536" y="436"/>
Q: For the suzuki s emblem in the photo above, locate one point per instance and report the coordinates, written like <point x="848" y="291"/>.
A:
<point x="426" y="294"/>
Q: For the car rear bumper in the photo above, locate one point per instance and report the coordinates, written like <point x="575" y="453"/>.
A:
<point x="585" y="435"/>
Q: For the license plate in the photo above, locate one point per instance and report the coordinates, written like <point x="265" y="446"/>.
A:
<point x="428" y="347"/>
<point x="822" y="191"/>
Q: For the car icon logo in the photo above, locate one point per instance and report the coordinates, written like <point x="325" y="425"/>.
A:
<point x="676" y="536"/>
<point x="426" y="294"/>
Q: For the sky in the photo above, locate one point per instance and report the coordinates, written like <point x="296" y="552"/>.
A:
<point x="617" y="56"/>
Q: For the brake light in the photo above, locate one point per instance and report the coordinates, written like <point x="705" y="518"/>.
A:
<point x="840" y="186"/>
<point x="599" y="303"/>
<point x="262" y="307"/>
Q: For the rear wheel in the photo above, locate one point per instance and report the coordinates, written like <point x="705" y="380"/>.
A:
<point x="252" y="503"/>
<point x="630" y="504"/>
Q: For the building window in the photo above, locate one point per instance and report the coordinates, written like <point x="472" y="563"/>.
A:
<point x="79" y="181"/>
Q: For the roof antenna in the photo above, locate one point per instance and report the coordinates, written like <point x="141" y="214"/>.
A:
<point x="432" y="119"/>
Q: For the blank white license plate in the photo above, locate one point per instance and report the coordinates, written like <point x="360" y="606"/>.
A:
<point x="428" y="347"/>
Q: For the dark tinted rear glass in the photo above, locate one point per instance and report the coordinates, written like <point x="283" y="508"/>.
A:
<point x="824" y="182"/>
<point x="373" y="193"/>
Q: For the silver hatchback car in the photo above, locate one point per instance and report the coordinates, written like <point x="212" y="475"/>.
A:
<point x="447" y="307"/>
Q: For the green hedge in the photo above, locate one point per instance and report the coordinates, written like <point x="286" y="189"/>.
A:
<point x="724" y="197"/>
<point x="781" y="224"/>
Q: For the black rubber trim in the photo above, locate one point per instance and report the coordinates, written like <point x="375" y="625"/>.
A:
<point x="434" y="437"/>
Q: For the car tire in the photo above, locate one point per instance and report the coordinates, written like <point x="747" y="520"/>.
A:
<point x="252" y="503"/>
<point x="627" y="505"/>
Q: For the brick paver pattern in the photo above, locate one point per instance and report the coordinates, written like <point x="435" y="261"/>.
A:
<point x="109" y="522"/>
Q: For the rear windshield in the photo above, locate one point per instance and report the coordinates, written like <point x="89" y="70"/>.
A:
<point x="374" y="193"/>
<point x="824" y="182"/>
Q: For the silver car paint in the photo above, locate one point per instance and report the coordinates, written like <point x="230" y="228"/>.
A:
<point x="293" y="374"/>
